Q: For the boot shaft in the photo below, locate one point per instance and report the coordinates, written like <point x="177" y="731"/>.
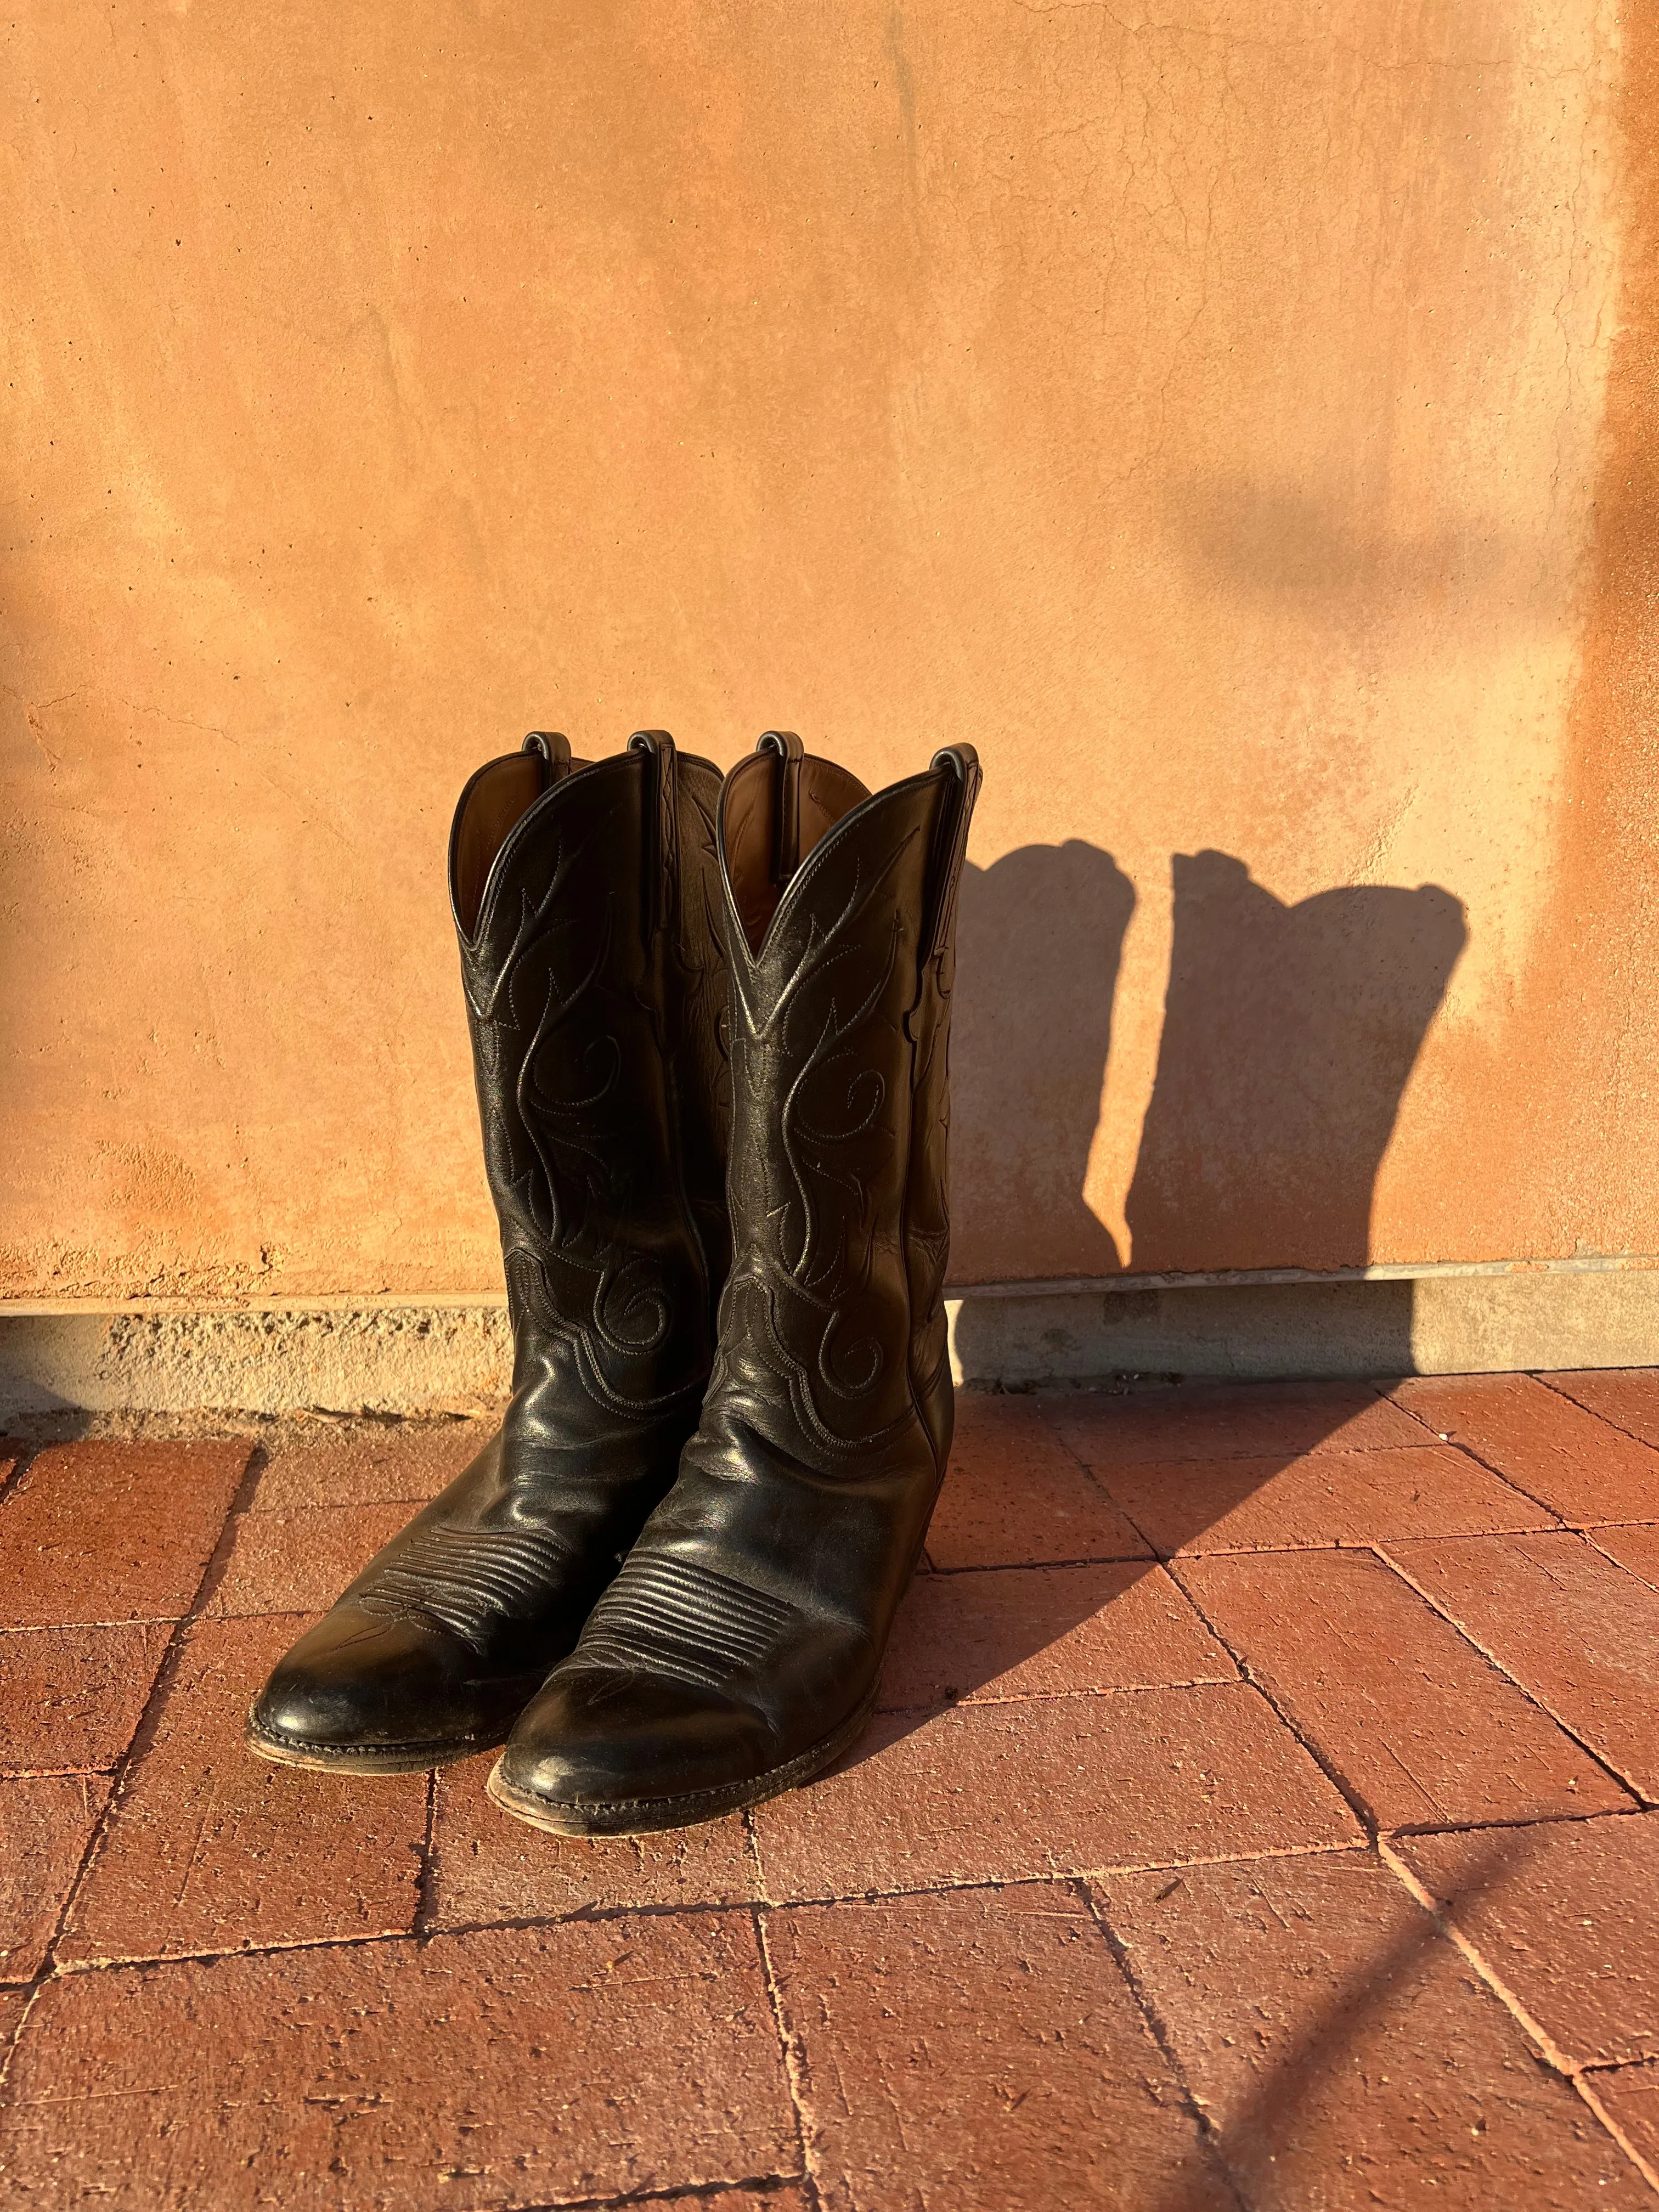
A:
<point x="585" y="898"/>
<point x="839" y="918"/>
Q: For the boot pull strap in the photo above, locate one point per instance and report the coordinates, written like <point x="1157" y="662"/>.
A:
<point x="787" y="842"/>
<point x="555" y="750"/>
<point x="963" y="762"/>
<point x="662" y="827"/>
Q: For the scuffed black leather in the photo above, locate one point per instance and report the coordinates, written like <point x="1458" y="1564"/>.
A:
<point x="739" y="1647"/>
<point x="594" y="982"/>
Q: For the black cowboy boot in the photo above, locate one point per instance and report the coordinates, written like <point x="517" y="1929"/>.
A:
<point x="737" y="1651"/>
<point x="587" y="901"/>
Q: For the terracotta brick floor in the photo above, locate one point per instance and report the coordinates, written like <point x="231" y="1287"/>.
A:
<point x="1263" y="1811"/>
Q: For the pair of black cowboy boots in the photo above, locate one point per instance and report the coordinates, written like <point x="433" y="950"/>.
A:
<point x="668" y="1582"/>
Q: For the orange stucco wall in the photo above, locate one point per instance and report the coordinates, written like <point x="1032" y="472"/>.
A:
<point x="1238" y="422"/>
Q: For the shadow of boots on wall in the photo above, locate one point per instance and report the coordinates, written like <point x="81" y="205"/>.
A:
<point x="1289" y="1034"/>
<point x="1039" y="935"/>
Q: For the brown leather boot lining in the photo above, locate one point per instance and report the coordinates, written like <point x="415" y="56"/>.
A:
<point x="752" y="814"/>
<point x="503" y="794"/>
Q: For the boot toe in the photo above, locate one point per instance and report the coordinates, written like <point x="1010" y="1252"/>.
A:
<point x="603" y="1753"/>
<point x="377" y="1695"/>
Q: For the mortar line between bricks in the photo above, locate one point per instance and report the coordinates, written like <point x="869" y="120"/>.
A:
<point x="1539" y="1705"/>
<point x="1599" y="1530"/>
<point x="756" y="2184"/>
<point x="138" y="1742"/>
<point x="1643" y="2165"/>
<point x="254" y="1511"/>
<point x="1545" y="1817"/>
<point x="1209" y="2134"/>
<point x="525" y="1923"/>
<point x="1549" y="2049"/>
<point x="1543" y="1376"/>
<point x="1561" y="1525"/>
<point x="1093" y="1479"/>
<point x="972" y="1701"/>
<point x="128" y="1620"/>
<point x="1048" y="1566"/>
<point x="1456" y="1444"/>
<point x="56" y="1773"/>
<point x="119" y="1962"/>
<point x="218" y="1566"/>
<point x="1187" y="1550"/>
<point x="1349" y="1544"/>
<point x="592" y="1915"/>
<point x="1379" y="1396"/>
<point x="753" y="1854"/>
<point x="426" y="1881"/>
<point x="1332" y="1773"/>
<point x="790" y="2057"/>
<point x="1104" y="1872"/>
<point x="520" y="1924"/>
<point x="1157" y="1558"/>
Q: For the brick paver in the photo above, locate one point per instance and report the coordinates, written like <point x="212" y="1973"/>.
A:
<point x="1419" y="1724"/>
<point x="45" y="1824"/>
<point x="1576" y="1631"/>
<point x="1058" y="1785"/>
<point x="210" y="1849"/>
<point x="384" y="1464"/>
<point x="1013" y="1496"/>
<point x="1194" y="1506"/>
<point x="1630" y="2099"/>
<point x="1037" y="1632"/>
<point x="981" y="2052"/>
<point x="70" y="1698"/>
<point x="1239" y="1420"/>
<point x="1634" y="1549"/>
<point x="487" y="1866"/>
<point x="301" y="1560"/>
<point x="1580" y="1466"/>
<point x="1626" y="1396"/>
<point x="1346" y="2054"/>
<point x="1080" y="1885"/>
<point x="1563" y="1916"/>
<point x="506" y="2068"/>
<point x="99" y="1532"/>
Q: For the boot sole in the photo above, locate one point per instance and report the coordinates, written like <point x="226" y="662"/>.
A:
<point x="364" y="1758"/>
<point x="650" y="1816"/>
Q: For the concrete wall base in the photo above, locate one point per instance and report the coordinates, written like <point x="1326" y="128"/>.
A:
<point x="455" y="1357"/>
<point x="1441" y="1324"/>
<point x="425" y="1360"/>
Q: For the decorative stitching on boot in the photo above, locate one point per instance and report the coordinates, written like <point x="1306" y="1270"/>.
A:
<point x="467" y="1577"/>
<point x="673" y="1617"/>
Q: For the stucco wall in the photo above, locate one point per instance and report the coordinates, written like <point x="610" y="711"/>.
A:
<point x="1238" y="422"/>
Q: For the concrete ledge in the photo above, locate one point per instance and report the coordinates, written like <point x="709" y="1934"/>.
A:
<point x="426" y="1360"/>
<point x="1439" y="1324"/>
<point x="455" y="1357"/>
